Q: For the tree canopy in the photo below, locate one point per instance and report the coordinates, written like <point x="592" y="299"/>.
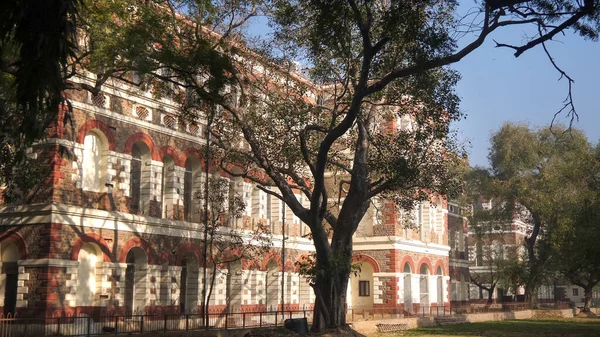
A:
<point x="544" y="178"/>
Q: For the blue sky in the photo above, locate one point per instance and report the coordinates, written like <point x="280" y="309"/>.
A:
<point x="497" y="87"/>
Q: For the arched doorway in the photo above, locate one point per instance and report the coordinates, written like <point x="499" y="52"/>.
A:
<point x="188" y="290"/>
<point x="89" y="255"/>
<point x="234" y="286"/>
<point x="424" y="285"/>
<point x="135" y="280"/>
<point x="362" y="287"/>
<point x="272" y="285"/>
<point x="407" y="288"/>
<point x="10" y="255"/>
<point x="440" y="286"/>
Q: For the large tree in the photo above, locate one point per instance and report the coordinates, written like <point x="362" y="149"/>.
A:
<point x="573" y="241"/>
<point x="37" y="39"/>
<point x="537" y="173"/>
<point x="372" y="63"/>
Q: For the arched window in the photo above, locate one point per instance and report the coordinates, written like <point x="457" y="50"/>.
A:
<point x="93" y="175"/>
<point x="305" y="292"/>
<point x="189" y="288"/>
<point x="168" y="187"/>
<point x="192" y="185"/>
<point x="424" y="285"/>
<point x="89" y="255"/>
<point x="135" y="280"/>
<point x="139" y="179"/>
<point x="440" y="287"/>
<point x="10" y="277"/>
<point x="259" y="203"/>
<point x="272" y="289"/>
<point x="407" y="288"/>
<point x="234" y="285"/>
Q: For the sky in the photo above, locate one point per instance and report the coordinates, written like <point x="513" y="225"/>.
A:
<point x="496" y="87"/>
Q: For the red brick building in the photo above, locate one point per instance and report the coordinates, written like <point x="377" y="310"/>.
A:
<point x="116" y="228"/>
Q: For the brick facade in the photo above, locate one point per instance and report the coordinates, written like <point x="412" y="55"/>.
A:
<point x="67" y="228"/>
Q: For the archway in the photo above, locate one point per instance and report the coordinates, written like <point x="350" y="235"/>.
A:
<point x="362" y="287"/>
<point x="407" y="288"/>
<point x="89" y="255"/>
<point x="440" y="286"/>
<point x="424" y="285"/>
<point x="10" y="255"/>
<point x="272" y="285"/>
<point x="135" y="280"/>
<point x="188" y="290"/>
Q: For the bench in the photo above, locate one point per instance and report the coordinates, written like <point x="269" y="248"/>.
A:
<point x="451" y="320"/>
<point x="390" y="327"/>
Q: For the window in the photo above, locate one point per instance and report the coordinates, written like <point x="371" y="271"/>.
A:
<point x="364" y="288"/>
<point x="193" y="183"/>
<point x="575" y="292"/>
<point x="139" y="179"/>
<point x="93" y="162"/>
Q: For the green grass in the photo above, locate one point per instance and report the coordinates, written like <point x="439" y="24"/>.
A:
<point x="514" y="328"/>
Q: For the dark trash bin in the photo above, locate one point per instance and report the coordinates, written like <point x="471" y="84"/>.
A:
<point x="297" y="325"/>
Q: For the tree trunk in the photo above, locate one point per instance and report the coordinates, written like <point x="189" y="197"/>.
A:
<point x="588" y="295"/>
<point x="330" y="290"/>
<point x="330" y="300"/>
<point x="491" y="294"/>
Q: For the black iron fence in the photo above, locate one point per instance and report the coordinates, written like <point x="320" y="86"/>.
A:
<point x="380" y="312"/>
<point x="83" y="325"/>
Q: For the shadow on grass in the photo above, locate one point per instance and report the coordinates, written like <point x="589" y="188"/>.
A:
<point x="516" y="328"/>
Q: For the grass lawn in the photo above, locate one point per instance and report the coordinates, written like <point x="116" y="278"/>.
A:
<point x="574" y="327"/>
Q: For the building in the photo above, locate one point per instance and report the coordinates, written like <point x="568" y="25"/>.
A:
<point x="490" y="246"/>
<point x="458" y="260"/>
<point x="116" y="227"/>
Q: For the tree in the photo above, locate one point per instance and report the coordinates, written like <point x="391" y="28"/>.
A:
<point x="371" y="63"/>
<point x="491" y="253"/>
<point x="493" y="258"/>
<point x="37" y="40"/>
<point x="573" y="241"/>
<point x="538" y="171"/>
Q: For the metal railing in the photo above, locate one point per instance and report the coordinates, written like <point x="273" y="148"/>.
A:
<point x="83" y="325"/>
<point x="372" y="313"/>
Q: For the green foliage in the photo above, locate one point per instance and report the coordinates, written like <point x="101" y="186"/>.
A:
<point x="36" y="45"/>
<point x="572" y="242"/>
<point x="542" y="177"/>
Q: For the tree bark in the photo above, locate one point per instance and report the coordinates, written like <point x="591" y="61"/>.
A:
<point x="491" y="294"/>
<point x="588" y="295"/>
<point x="330" y="298"/>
